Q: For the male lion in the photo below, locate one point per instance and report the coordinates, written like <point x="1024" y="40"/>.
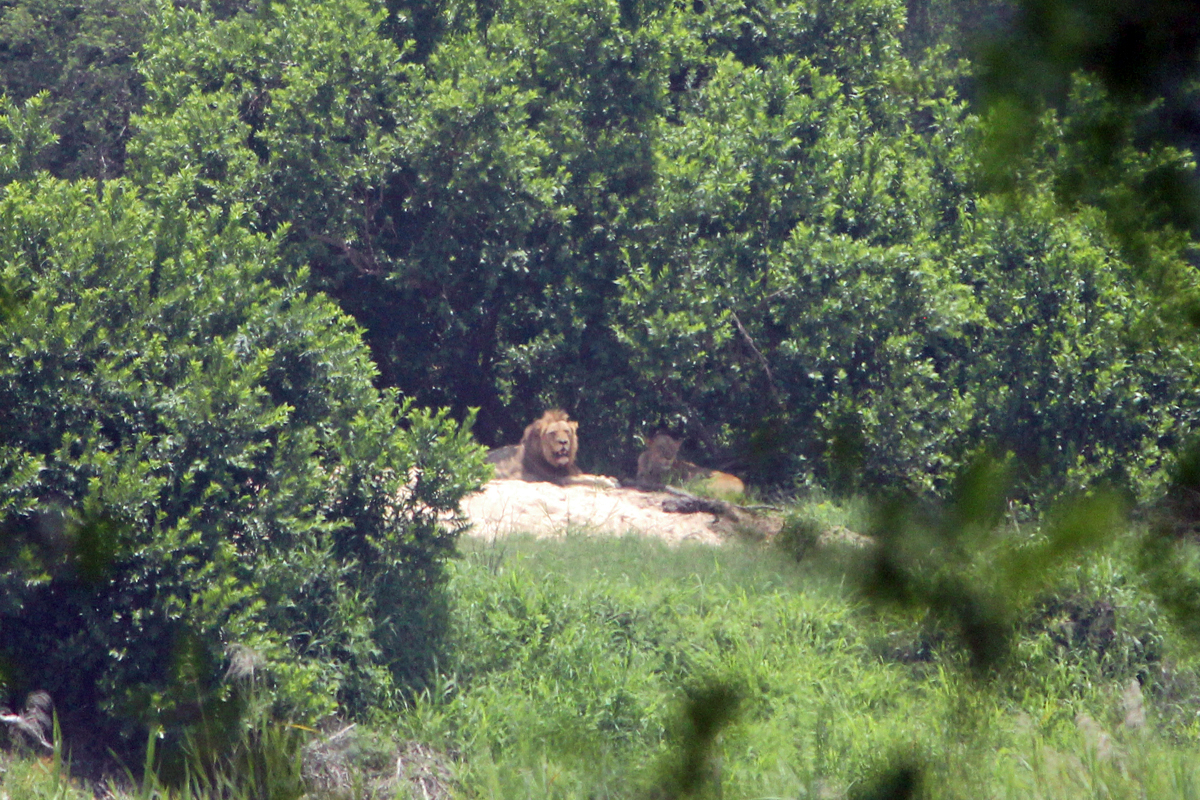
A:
<point x="546" y="453"/>
<point x="661" y="464"/>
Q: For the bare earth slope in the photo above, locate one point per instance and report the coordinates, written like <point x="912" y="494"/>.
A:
<point x="545" y="509"/>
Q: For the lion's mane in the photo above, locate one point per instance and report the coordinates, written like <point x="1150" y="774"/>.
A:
<point x="546" y="453"/>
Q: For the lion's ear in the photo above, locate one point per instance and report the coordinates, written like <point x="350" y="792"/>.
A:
<point x="574" y="425"/>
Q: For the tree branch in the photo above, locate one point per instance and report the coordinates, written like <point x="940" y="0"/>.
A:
<point x="761" y="358"/>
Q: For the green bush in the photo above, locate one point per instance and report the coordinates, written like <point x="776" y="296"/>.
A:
<point x="198" y="478"/>
<point x="828" y="285"/>
<point x="81" y="55"/>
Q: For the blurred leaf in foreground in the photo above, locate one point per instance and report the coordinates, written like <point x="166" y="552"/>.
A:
<point x="1169" y="556"/>
<point x="708" y="710"/>
<point x="970" y="568"/>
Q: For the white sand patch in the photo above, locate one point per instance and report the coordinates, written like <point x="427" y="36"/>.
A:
<point x="504" y="507"/>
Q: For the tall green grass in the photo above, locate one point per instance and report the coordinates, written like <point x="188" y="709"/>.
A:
<point x="260" y="761"/>
<point x="24" y="776"/>
<point x="575" y="661"/>
<point x="575" y="658"/>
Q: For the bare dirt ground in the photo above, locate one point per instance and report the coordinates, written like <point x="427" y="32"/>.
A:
<point x="505" y="507"/>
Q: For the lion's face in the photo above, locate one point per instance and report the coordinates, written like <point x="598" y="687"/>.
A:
<point x="665" y="447"/>
<point x="558" y="443"/>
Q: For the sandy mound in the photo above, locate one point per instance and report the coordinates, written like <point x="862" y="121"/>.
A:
<point x="544" y="509"/>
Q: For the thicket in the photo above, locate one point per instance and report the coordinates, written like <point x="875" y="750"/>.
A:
<point x="202" y="491"/>
<point x="761" y="226"/>
<point x="764" y="226"/>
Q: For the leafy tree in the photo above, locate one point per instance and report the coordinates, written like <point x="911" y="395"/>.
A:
<point x="1109" y="88"/>
<point x="27" y="132"/>
<point x="593" y="77"/>
<point x="850" y="40"/>
<point x="467" y="192"/>
<point x="1112" y="86"/>
<point x="287" y="111"/>
<point x="827" y="268"/>
<point x="199" y="478"/>
<point x="81" y="54"/>
<point x="702" y="217"/>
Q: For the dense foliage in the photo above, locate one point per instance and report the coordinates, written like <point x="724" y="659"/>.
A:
<point x="762" y="224"/>
<point x="758" y="225"/>
<point x="81" y="54"/>
<point x="199" y="478"/>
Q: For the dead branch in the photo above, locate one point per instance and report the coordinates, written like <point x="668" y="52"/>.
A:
<point x="761" y="358"/>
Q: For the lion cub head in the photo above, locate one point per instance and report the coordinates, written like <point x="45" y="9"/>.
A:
<point x="658" y="460"/>
<point x="660" y="464"/>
